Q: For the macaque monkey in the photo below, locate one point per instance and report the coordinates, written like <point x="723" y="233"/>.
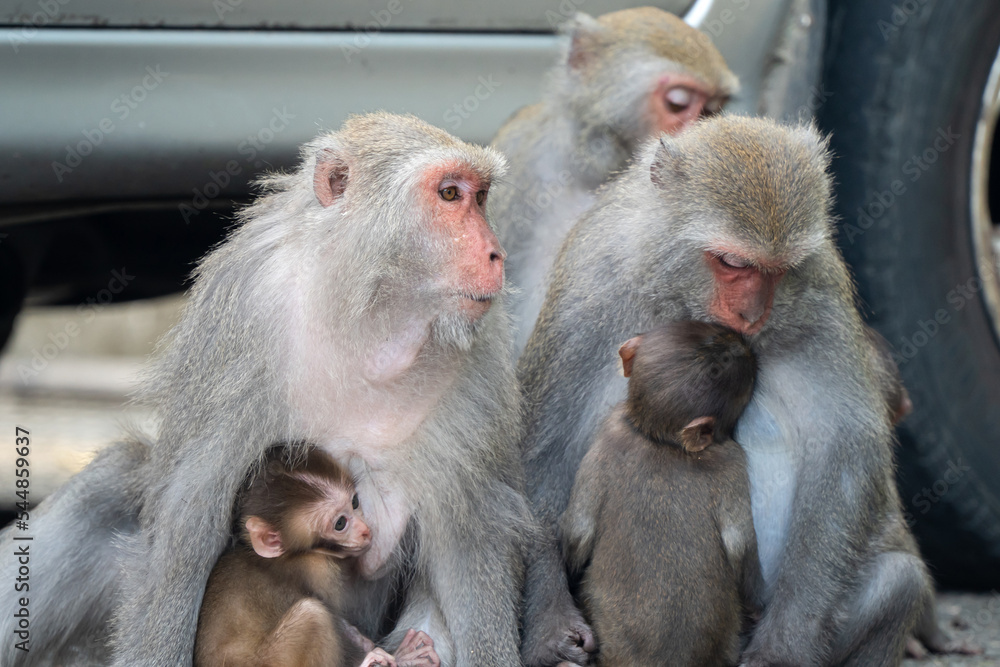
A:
<point x="357" y="306"/>
<point x="623" y="77"/>
<point x="730" y="223"/>
<point x="659" y="519"/>
<point x="275" y="597"/>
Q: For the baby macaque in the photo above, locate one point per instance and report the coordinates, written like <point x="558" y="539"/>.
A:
<point x="659" y="519"/>
<point x="274" y="598"/>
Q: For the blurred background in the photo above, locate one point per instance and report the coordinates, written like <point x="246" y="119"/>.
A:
<point x="131" y="131"/>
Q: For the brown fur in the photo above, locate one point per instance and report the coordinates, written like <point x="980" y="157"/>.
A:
<point x="664" y="536"/>
<point x="286" y="610"/>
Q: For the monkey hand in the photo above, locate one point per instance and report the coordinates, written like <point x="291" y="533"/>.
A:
<point x="417" y="650"/>
<point x="562" y="640"/>
<point x="379" y="657"/>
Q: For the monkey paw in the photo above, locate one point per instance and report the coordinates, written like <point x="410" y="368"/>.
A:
<point x="417" y="650"/>
<point x="562" y="644"/>
<point x="379" y="657"/>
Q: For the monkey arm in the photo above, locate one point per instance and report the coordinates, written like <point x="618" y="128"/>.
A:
<point x="578" y="525"/>
<point x="185" y="526"/>
<point x="738" y="536"/>
<point x="472" y="559"/>
<point x="819" y="518"/>
<point x="554" y="629"/>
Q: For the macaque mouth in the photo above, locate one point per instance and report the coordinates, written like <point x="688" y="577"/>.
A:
<point x="479" y="298"/>
<point x="337" y="550"/>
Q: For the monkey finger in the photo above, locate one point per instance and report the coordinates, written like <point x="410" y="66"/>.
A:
<point x="421" y="638"/>
<point x="413" y="656"/>
<point x="379" y="657"/>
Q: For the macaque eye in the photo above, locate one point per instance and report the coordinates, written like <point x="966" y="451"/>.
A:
<point x="679" y="99"/>
<point x="354" y="501"/>
<point x="449" y="193"/>
<point x="733" y="262"/>
<point x="481" y="197"/>
<point x="341" y="524"/>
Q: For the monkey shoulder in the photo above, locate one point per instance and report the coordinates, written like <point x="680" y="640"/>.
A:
<point x="520" y="123"/>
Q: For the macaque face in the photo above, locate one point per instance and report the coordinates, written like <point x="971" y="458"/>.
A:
<point x="339" y="525"/>
<point x="679" y="100"/>
<point x="743" y="292"/>
<point x="333" y="526"/>
<point x="456" y="197"/>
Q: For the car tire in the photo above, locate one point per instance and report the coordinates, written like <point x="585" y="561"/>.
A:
<point x="903" y="90"/>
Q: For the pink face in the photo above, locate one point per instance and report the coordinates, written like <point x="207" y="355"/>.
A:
<point x="340" y="527"/>
<point x="456" y="197"/>
<point x="680" y="100"/>
<point x="743" y="292"/>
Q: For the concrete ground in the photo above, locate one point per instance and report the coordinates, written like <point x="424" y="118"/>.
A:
<point x="72" y="398"/>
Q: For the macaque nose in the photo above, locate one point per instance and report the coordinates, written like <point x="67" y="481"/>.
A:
<point x="754" y="314"/>
<point x="496" y="255"/>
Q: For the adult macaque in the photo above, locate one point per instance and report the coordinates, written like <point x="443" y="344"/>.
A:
<point x="353" y="308"/>
<point x="623" y="77"/>
<point x="659" y="519"/>
<point x="275" y="598"/>
<point x="729" y="223"/>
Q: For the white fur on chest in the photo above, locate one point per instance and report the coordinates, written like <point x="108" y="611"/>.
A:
<point x="773" y="466"/>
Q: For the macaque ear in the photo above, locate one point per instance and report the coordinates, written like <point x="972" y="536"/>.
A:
<point x="627" y="353"/>
<point x="584" y="38"/>
<point x="697" y="435"/>
<point x="667" y="167"/>
<point x="264" y="539"/>
<point x="330" y="177"/>
<point x="816" y="143"/>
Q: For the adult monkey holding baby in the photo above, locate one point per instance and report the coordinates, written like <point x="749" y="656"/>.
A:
<point x="729" y="222"/>
<point x="353" y="308"/>
<point x="623" y="77"/>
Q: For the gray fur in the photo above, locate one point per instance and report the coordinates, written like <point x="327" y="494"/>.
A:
<point x="74" y="569"/>
<point x="592" y="118"/>
<point x="284" y="321"/>
<point x="840" y="588"/>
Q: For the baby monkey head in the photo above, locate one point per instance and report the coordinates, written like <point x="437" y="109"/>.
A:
<point x="688" y="382"/>
<point x="309" y="504"/>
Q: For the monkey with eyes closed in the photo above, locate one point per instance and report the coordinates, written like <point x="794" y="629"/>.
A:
<point x="274" y="599"/>
<point x="659" y="520"/>
<point x="623" y="77"/>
